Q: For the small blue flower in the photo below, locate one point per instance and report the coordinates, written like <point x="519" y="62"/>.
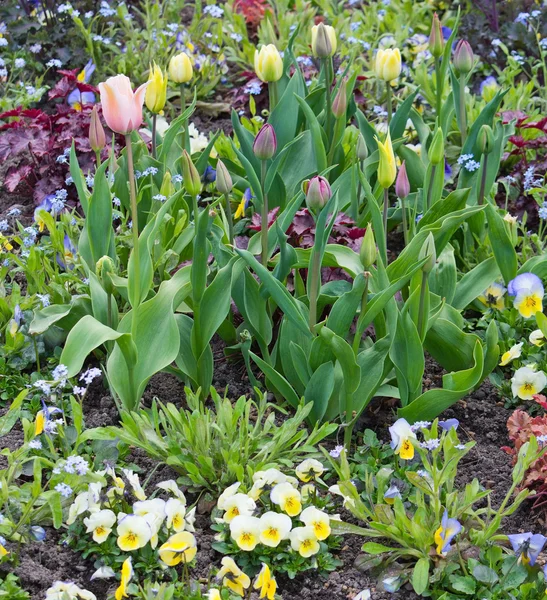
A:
<point x="449" y="424"/>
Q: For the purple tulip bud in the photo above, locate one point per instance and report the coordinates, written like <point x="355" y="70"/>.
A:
<point x="265" y="143"/>
<point x="463" y="58"/>
<point x="340" y="102"/>
<point x="97" y="137"/>
<point x="402" y="185"/>
<point x="436" y="40"/>
<point x="318" y="193"/>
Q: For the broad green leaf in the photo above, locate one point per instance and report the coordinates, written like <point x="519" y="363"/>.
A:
<point x="420" y="576"/>
<point x="503" y="249"/>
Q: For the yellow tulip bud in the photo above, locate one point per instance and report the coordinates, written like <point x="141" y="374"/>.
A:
<point x="268" y="64"/>
<point x="387" y="169"/>
<point x="387" y="65"/>
<point x="156" y="92"/>
<point x="180" y="68"/>
<point x="323" y="40"/>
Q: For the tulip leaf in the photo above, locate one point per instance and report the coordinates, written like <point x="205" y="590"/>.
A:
<point x="503" y="249"/>
<point x="474" y="282"/>
<point x="78" y="178"/>
<point x="62" y="315"/>
<point x="316" y="134"/>
<point x="319" y="391"/>
<point x="284" y="116"/>
<point x="277" y="381"/>
<point x="407" y="356"/>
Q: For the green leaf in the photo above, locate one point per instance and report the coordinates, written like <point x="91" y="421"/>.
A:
<point x="277" y="380"/>
<point x="466" y="585"/>
<point x="407" y="356"/>
<point x="474" y="282"/>
<point x="375" y="548"/>
<point x="485" y="575"/>
<point x="319" y="391"/>
<point x="420" y="576"/>
<point x="503" y="249"/>
<point x="99" y="215"/>
<point x="316" y="133"/>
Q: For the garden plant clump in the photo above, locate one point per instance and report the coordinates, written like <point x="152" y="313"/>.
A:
<point x="272" y="282"/>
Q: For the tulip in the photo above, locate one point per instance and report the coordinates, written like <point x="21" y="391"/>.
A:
<point x="436" y="40"/>
<point x="122" y="108"/>
<point x="265" y="143"/>
<point x="387" y="169"/>
<point x="428" y="250"/>
<point x="156" y="92"/>
<point x="97" y="138"/>
<point x="402" y="189"/>
<point x="387" y="65"/>
<point x="268" y="64"/>
<point x="224" y="186"/>
<point x="485" y="139"/>
<point x="340" y="102"/>
<point x="463" y="58"/>
<point x="192" y="180"/>
<point x="436" y="150"/>
<point x="180" y="68"/>
<point x="318" y="193"/>
<point x="361" y="149"/>
<point x="368" y="252"/>
<point x="323" y="40"/>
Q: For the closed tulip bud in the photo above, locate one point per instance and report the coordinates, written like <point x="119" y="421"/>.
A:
<point x="485" y="139"/>
<point x="318" y="193"/>
<point x="180" y="68"/>
<point x="224" y="179"/>
<point x="436" y="150"/>
<point x="361" y="149"/>
<point x="387" y="169"/>
<point x="122" y="108"/>
<point x="167" y="188"/>
<point x="268" y="64"/>
<point x="156" y="92"/>
<point x="402" y="185"/>
<point x="387" y="64"/>
<point x="97" y="138"/>
<point x="323" y="40"/>
<point x="428" y="250"/>
<point x="340" y="102"/>
<point x="265" y="143"/>
<point x="104" y="268"/>
<point x="436" y="40"/>
<point x="463" y="58"/>
<point x="192" y="181"/>
<point x="368" y="251"/>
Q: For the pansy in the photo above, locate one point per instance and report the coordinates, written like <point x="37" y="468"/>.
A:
<point x="244" y="204"/>
<point x="265" y="583"/>
<point x="287" y="497"/>
<point x="233" y="577"/>
<point x="401" y="439"/>
<point x="304" y="541"/>
<point x="265" y="480"/>
<point x="67" y="590"/>
<point x="528" y="292"/>
<point x="527" y="546"/>
<point x="391" y="494"/>
<point x="77" y="99"/>
<point x="511" y="354"/>
<point x="445" y="534"/>
<point x="227" y="493"/>
<point x="135" y="484"/>
<point x="3" y="551"/>
<point x="100" y="523"/>
<point x="274" y="527"/>
<point x="449" y="424"/>
<point x="178" y="548"/>
<point x="69" y="254"/>
<point x="537" y="338"/>
<point x="309" y="469"/>
<point x="493" y="296"/>
<point x="134" y="532"/>
<point x="526" y="382"/>
<point x="45" y="205"/>
<point x="236" y="505"/>
<point x="245" y="531"/>
<point x="175" y="510"/>
<point x="319" y="520"/>
<point x="126" y="575"/>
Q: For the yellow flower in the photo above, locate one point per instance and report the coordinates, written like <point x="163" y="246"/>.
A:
<point x="180" y="68"/>
<point x="287" y="497"/>
<point x="236" y="505"/>
<point x="526" y="382"/>
<point x="323" y="40"/>
<point x="214" y="594"/>
<point x="233" y="577"/>
<point x="134" y="532"/>
<point x="274" y="527"/>
<point x="156" y="91"/>
<point x="3" y="551"/>
<point x="245" y="531"/>
<point x="4" y="242"/>
<point x="268" y="64"/>
<point x="309" y="469"/>
<point x="127" y="574"/>
<point x="537" y="338"/>
<point x="304" y="541"/>
<point x="387" y="65"/>
<point x="493" y="296"/>
<point x="179" y="547"/>
<point x="387" y="168"/>
<point x="266" y="583"/>
<point x="100" y="523"/>
<point x="175" y="510"/>
<point x="511" y="354"/>
<point x="320" y="521"/>
<point x="401" y="439"/>
<point x="39" y="422"/>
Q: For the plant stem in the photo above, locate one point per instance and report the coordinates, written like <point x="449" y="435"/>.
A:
<point x="463" y="111"/>
<point x="264" y="224"/>
<point x="359" y="188"/>
<point x="480" y="199"/>
<point x="184" y="123"/>
<point x="315" y="286"/>
<point x="109" y="310"/>
<point x="438" y="91"/>
<point x="405" y="225"/>
<point x="430" y="187"/>
<point x="195" y="208"/>
<point x="274" y="96"/>
<point x="421" y="306"/>
<point x="386" y="206"/>
<point x="154" y="127"/>
<point x="230" y="219"/>
<point x="36" y="352"/>
<point x="359" y="329"/>
<point x="389" y="102"/>
<point x="98" y="158"/>
<point x="328" y="82"/>
<point x="135" y="231"/>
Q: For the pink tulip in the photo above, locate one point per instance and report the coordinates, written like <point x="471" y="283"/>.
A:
<point x="122" y="108"/>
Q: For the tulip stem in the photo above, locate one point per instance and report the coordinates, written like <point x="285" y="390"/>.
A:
<point x="430" y="185"/>
<point x="463" y="112"/>
<point x="421" y="306"/>
<point x="328" y="82"/>
<point x="386" y="206"/>
<point x="315" y="284"/>
<point x="98" y="158"/>
<point x="405" y="225"/>
<point x="135" y="230"/>
<point x="264" y="223"/>
<point x="230" y="219"/>
<point x="389" y="102"/>
<point x="359" y="329"/>
<point x="480" y="199"/>
<point x="195" y="208"/>
<point x="274" y="95"/>
<point x="184" y="122"/>
<point x="438" y="91"/>
<point x="154" y="127"/>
